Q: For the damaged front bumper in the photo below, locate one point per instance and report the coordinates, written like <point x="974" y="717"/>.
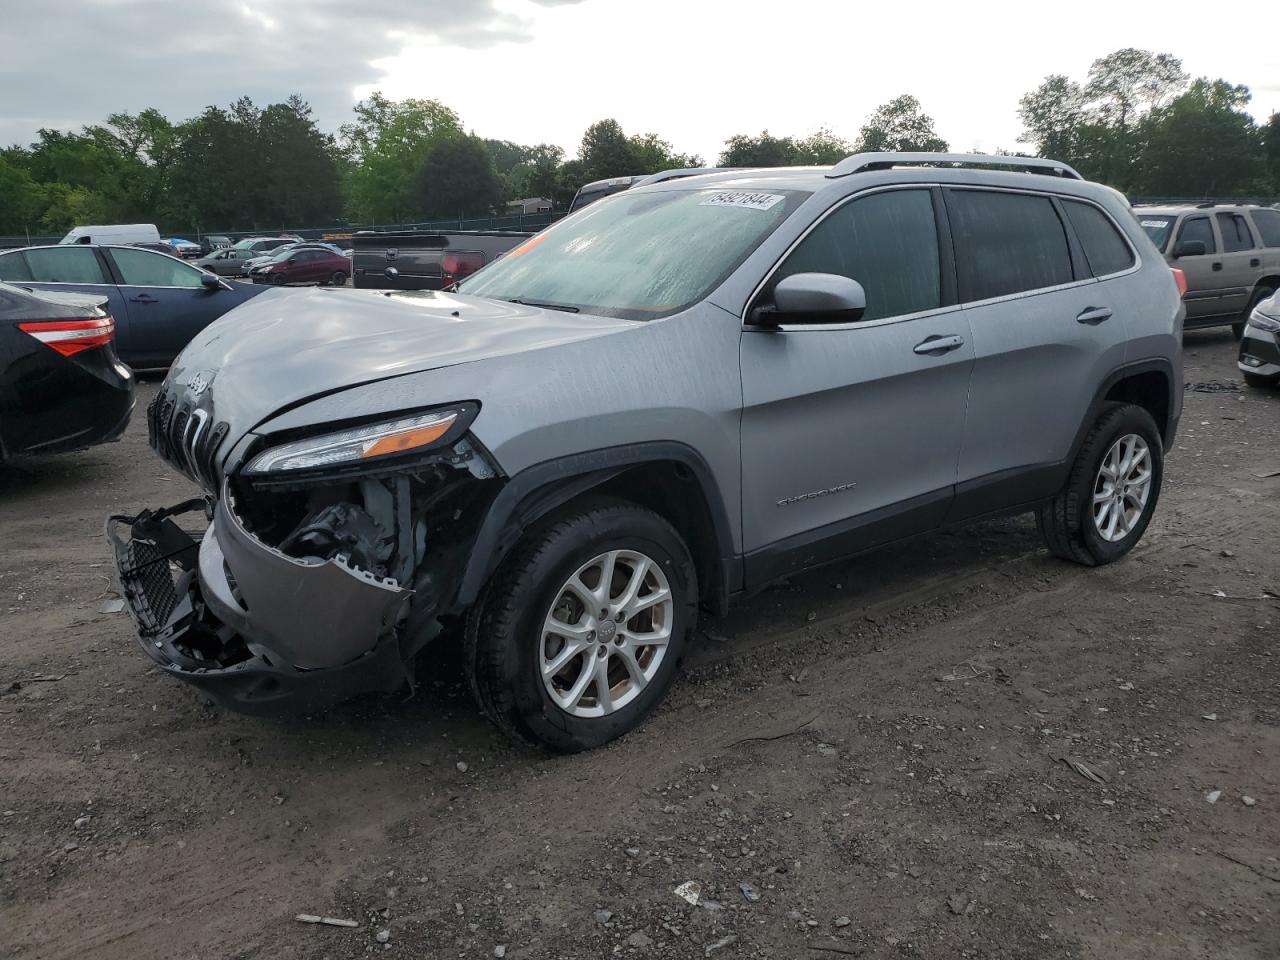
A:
<point x="253" y="628"/>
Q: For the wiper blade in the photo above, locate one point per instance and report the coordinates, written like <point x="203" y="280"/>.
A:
<point x="566" y="308"/>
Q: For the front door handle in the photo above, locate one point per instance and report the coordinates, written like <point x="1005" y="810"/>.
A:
<point x="143" y="298"/>
<point x="939" y="344"/>
<point x="1255" y="262"/>
<point x="1093" y="315"/>
<point x="1217" y="265"/>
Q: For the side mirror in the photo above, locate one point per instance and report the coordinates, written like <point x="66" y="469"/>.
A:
<point x="814" y="298"/>
<point x="210" y="281"/>
<point x="1190" y="248"/>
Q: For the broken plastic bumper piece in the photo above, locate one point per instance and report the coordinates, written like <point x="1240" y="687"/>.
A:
<point x="254" y="629"/>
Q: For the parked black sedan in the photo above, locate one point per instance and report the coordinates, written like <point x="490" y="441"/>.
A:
<point x="62" y="387"/>
<point x="159" y="302"/>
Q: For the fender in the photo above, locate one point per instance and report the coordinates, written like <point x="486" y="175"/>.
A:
<point x="1125" y="370"/>
<point x="537" y="490"/>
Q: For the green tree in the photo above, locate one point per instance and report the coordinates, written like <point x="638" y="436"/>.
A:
<point x="458" y="180"/>
<point x="385" y="148"/>
<point x="900" y="125"/>
<point x="1203" y="144"/>
<point x="542" y="174"/>
<point x="22" y="201"/>
<point x="743" y="150"/>
<point x="1098" y="127"/>
<point x="822" y="148"/>
<point x="298" y="179"/>
<point x="606" y="152"/>
<point x="1271" y="150"/>
<point x="1052" y="116"/>
<point x="651" y="153"/>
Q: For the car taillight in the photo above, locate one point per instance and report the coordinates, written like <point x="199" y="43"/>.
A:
<point x="1180" y="279"/>
<point x="69" y="337"/>
<point x="459" y="265"/>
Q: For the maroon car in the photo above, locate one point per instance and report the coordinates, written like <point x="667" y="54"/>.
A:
<point x="307" y="265"/>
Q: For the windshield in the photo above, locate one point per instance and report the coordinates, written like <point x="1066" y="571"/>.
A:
<point x="1157" y="228"/>
<point x="637" y="255"/>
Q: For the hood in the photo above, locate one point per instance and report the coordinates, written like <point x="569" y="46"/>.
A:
<point x="290" y="345"/>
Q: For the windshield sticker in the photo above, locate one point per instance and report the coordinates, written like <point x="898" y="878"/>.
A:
<point x="754" y="201"/>
<point x="1155" y="223"/>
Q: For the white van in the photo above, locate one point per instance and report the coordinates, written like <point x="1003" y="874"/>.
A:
<point x="123" y="233"/>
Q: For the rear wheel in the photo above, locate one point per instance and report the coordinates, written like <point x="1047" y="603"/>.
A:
<point x="580" y="632"/>
<point x="339" y="279"/>
<point x="1111" y="492"/>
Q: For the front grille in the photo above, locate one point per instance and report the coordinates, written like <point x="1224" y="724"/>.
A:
<point x="186" y="439"/>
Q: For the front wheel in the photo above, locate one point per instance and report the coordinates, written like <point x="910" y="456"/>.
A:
<point x="580" y="632"/>
<point x="1111" y="492"/>
<point x="339" y="279"/>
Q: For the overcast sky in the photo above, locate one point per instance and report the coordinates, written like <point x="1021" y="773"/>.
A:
<point x="693" y="71"/>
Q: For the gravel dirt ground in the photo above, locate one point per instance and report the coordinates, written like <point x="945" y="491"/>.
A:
<point x="866" y="761"/>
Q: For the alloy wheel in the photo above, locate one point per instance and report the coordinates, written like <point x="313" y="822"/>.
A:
<point x="1122" y="487"/>
<point x="606" y="633"/>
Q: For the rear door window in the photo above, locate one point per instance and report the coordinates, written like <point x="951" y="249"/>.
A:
<point x="1198" y="228"/>
<point x="1104" y="247"/>
<point x="1235" y="233"/>
<point x="13" y="266"/>
<point x="65" y="264"/>
<point x="888" y="242"/>
<point x="1006" y="243"/>
<point x="142" y="268"/>
<point x="1268" y="224"/>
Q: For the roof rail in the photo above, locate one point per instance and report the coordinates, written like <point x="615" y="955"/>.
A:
<point x="676" y="173"/>
<point x="865" y="162"/>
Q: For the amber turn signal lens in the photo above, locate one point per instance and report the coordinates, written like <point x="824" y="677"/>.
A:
<point x="409" y="440"/>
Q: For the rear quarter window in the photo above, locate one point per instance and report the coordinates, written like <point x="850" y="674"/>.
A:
<point x="1006" y="243"/>
<point x="1268" y="224"/>
<point x="1105" y="248"/>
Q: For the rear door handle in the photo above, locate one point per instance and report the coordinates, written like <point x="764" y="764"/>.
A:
<point x="1093" y="315"/>
<point x="143" y="298"/>
<point x="939" y="344"/>
<point x="1217" y="265"/>
<point x="1255" y="262"/>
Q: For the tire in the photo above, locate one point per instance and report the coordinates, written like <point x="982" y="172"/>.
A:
<point x="278" y="279"/>
<point x="507" y="642"/>
<point x="1067" y="522"/>
<point x="1260" y="381"/>
<point x="339" y="279"/>
<point x="1262" y="293"/>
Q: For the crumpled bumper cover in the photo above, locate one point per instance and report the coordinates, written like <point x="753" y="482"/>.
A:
<point x="254" y="629"/>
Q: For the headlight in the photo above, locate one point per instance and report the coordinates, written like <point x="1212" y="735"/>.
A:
<point x="365" y="443"/>
<point x="1260" y="321"/>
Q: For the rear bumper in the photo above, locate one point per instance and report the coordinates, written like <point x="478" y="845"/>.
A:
<point x="254" y="630"/>
<point x="50" y="404"/>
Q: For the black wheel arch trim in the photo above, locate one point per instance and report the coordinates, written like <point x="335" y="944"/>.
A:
<point x="539" y="489"/>
<point x="1123" y="372"/>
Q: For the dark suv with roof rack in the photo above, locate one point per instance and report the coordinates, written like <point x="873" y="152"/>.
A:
<point x="1230" y="254"/>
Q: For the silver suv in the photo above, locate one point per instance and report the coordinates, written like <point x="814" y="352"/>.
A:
<point x="1229" y="253"/>
<point x="675" y="397"/>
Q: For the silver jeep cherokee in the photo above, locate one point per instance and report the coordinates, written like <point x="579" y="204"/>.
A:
<point x="674" y="397"/>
